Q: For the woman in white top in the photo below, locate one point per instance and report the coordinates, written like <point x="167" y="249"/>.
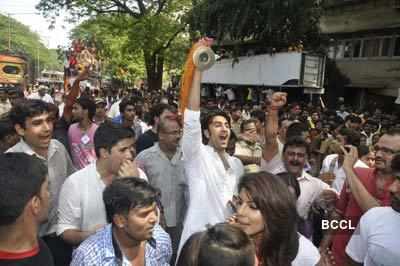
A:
<point x="266" y="211"/>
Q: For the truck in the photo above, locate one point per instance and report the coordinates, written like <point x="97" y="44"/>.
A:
<point x="285" y="70"/>
<point x="13" y="71"/>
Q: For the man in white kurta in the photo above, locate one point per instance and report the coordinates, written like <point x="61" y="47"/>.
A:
<point x="210" y="185"/>
<point x="212" y="174"/>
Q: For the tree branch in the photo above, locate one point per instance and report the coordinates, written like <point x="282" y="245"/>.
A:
<point x="161" y="4"/>
<point x="142" y="7"/>
<point x="171" y="39"/>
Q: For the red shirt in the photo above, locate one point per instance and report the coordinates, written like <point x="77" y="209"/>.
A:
<point x="348" y="207"/>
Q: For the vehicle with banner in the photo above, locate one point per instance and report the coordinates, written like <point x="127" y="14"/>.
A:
<point x="13" y="71"/>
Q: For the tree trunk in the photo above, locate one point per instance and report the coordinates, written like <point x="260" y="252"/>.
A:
<point x="154" y="68"/>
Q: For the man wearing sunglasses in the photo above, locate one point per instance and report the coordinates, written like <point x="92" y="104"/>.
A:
<point x="364" y="189"/>
<point x="376" y="241"/>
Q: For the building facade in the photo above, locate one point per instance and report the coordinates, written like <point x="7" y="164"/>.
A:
<point x="364" y="41"/>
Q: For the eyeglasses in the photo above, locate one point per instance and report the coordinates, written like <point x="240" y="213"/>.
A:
<point x="384" y="150"/>
<point x="173" y="133"/>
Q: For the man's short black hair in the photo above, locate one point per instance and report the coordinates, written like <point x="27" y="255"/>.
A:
<point x="108" y="134"/>
<point x="297" y="142"/>
<point x="353" y="119"/>
<point x="351" y="136"/>
<point x="125" y="102"/>
<point x="296" y="129"/>
<point x="157" y="110"/>
<point x="258" y="114"/>
<point x="27" y="108"/>
<point x="87" y="104"/>
<point x="21" y="177"/>
<point x="246" y="122"/>
<point x="209" y="116"/>
<point x="6" y="128"/>
<point x="127" y="193"/>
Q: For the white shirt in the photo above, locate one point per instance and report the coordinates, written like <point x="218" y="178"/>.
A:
<point x="376" y="241"/>
<point x="210" y="185"/>
<point x="310" y="187"/>
<point x="307" y="255"/>
<point x="46" y="98"/>
<point x="331" y="164"/>
<point x="114" y="110"/>
<point x="59" y="167"/>
<point x="81" y="204"/>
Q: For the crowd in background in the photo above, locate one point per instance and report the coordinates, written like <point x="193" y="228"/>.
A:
<point x="336" y="163"/>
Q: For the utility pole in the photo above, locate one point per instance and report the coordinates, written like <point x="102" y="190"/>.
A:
<point x="38" y="63"/>
<point x="9" y="32"/>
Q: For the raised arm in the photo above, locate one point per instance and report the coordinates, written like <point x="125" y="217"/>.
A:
<point x="278" y="100"/>
<point x="194" y="94"/>
<point x="364" y="199"/>
<point x="73" y="94"/>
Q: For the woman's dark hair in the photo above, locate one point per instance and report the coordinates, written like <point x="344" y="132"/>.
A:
<point x="279" y="245"/>
<point x="127" y="193"/>
<point x="220" y="245"/>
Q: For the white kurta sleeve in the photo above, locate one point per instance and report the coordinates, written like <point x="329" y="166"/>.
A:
<point x="358" y="244"/>
<point x="192" y="137"/>
<point x="69" y="207"/>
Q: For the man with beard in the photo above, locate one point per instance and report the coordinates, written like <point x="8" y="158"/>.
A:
<point x="34" y="125"/>
<point x="376" y="240"/>
<point x="211" y="173"/>
<point x="365" y="188"/>
<point x="81" y="133"/>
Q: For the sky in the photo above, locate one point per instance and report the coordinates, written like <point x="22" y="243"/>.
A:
<point x="24" y="11"/>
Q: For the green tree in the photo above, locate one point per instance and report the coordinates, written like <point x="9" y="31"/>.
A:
<point x="28" y="43"/>
<point x="267" y="24"/>
<point x="129" y="29"/>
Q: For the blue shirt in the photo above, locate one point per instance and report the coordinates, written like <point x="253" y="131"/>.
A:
<point x="102" y="249"/>
<point x="135" y="127"/>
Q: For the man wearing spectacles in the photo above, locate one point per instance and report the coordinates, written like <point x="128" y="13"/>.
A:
<point x="376" y="241"/>
<point x="364" y="189"/>
<point x="164" y="168"/>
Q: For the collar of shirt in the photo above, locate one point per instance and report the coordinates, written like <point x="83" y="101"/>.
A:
<point x="177" y="156"/>
<point x="28" y="150"/>
<point x="112" y="249"/>
<point x="304" y="176"/>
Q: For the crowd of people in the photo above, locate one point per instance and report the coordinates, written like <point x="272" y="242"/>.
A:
<point x="105" y="178"/>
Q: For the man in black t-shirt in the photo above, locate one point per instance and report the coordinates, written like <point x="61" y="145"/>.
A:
<point x="24" y="205"/>
<point x="157" y="113"/>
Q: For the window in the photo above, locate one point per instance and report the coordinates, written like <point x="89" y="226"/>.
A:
<point x="348" y="49"/>
<point x="371" y="48"/>
<point x="386" y="46"/>
<point x="357" y="48"/>
<point x="12" y="70"/>
<point x="396" y="51"/>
